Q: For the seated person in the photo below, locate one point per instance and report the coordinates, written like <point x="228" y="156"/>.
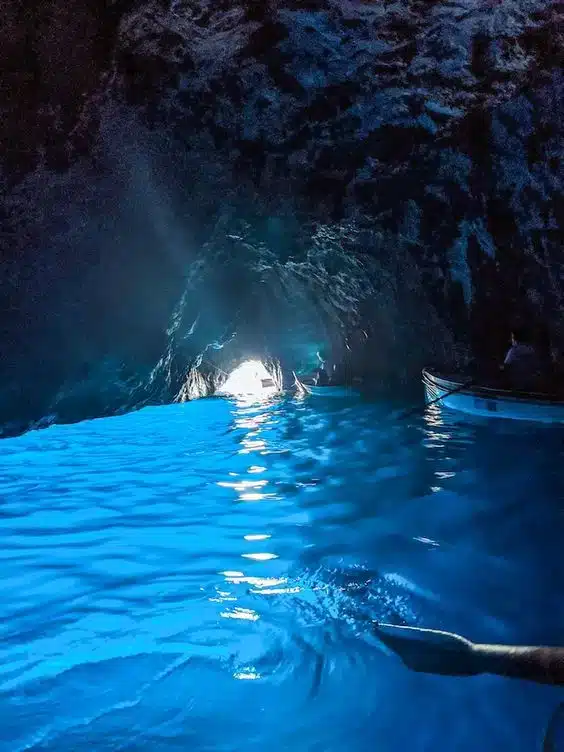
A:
<point x="556" y="372"/>
<point x="522" y="364"/>
<point x="321" y="376"/>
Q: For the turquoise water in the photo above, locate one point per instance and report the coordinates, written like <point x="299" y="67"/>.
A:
<point x="204" y="576"/>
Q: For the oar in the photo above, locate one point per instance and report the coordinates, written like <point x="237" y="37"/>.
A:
<point x="301" y="386"/>
<point x="549" y="743"/>
<point x="420" y="408"/>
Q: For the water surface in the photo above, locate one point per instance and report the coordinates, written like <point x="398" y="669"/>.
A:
<point x="204" y="577"/>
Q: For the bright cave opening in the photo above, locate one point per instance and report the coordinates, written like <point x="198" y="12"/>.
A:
<point x="249" y="379"/>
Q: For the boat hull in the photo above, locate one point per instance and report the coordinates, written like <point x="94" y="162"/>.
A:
<point x="490" y="402"/>
<point x="331" y="391"/>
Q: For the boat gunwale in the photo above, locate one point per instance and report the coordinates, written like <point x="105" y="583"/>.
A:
<point x="503" y="395"/>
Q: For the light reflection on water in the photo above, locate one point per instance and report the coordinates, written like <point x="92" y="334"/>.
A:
<point x="205" y="577"/>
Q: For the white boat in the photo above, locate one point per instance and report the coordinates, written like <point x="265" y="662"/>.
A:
<point x="333" y="392"/>
<point x="457" y="393"/>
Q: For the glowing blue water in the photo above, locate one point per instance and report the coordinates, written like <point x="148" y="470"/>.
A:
<point x="203" y="577"/>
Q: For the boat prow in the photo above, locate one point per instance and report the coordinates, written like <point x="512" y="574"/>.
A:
<point x="489" y="401"/>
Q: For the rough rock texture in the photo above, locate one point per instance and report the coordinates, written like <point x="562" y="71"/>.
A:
<point x="186" y="183"/>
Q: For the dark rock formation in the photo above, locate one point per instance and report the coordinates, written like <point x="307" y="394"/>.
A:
<point x="185" y="184"/>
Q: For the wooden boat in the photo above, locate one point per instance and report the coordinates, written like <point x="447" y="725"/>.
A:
<point x="491" y="401"/>
<point x="333" y="392"/>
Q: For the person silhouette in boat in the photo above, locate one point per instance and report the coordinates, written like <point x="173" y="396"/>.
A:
<point x="556" y="372"/>
<point x="321" y="377"/>
<point x="522" y="366"/>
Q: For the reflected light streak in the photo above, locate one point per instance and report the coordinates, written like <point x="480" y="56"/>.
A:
<point x="428" y="541"/>
<point x="252" y="446"/>
<point x="438" y="436"/>
<point x="433" y="416"/>
<point x="221" y="597"/>
<point x="247" y="675"/>
<point x="256" y="496"/>
<point x="242" y="485"/>
<point x="250" y="423"/>
<point x="259" y="582"/>
<point x="256" y="537"/>
<point x="247" y="614"/>
<point x="254" y="422"/>
<point x="260" y="556"/>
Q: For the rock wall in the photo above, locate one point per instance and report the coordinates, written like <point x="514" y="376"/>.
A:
<point x="186" y="183"/>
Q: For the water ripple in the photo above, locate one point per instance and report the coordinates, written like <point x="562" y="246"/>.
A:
<point x="206" y="576"/>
